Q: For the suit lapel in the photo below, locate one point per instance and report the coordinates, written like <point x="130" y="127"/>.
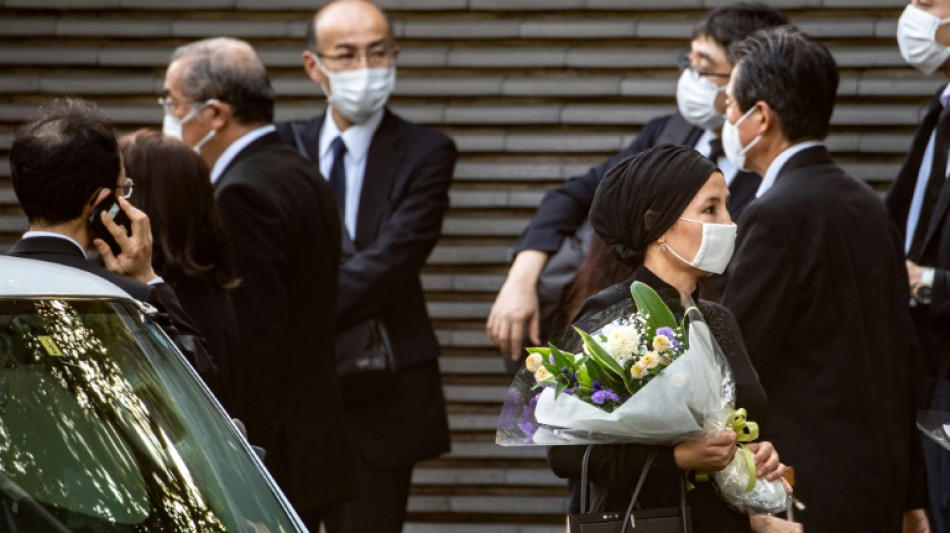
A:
<point x="382" y="164"/>
<point x="258" y="144"/>
<point x="307" y="137"/>
<point x="902" y="192"/>
<point x="940" y="211"/>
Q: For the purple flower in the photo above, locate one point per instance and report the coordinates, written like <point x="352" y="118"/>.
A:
<point x="605" y="395"/>
<point x="551" y="359"/>
<point x="670" y="334"/>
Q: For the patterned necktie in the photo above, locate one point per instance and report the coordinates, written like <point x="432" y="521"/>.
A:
<point x="938" y="175"/>
<point x="715" y="150"/>
<point x="338" y="174"/>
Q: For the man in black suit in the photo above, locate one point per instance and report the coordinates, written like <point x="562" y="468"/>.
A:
<point x="63" y="165"/>
<point x="285" y="233"/>
<point x="701" y="103"/>
<point x="819" y="290"/>
<point x="391" y="179"/>
<point x="919" y="202"/>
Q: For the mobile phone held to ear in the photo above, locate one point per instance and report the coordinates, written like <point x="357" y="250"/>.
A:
<point x="111" y="206"/>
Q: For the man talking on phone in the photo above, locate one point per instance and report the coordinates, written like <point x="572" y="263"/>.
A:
<point x="65" y="165"/>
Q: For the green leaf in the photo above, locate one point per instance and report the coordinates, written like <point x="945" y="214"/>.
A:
<point x="605" y="378"/>
<point x="599" y="355"/>
<point x="543" y="350"/>
<point x="650" y="303"/>
<point x="561" y="359"/>
<point x="559" y="389"/>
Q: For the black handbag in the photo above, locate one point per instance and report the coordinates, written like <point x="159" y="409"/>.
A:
<point x="659" y="520"/>
<point x="364" y="355"/>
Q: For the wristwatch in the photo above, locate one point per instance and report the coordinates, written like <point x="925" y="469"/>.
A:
<point x="922" y="293"/>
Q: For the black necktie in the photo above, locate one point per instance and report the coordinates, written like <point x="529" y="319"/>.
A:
<point x="715" y="150"/>
<point x="338" y="174"/>
<point x="938" y="175"/>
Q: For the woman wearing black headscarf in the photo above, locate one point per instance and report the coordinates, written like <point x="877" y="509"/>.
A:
<point x="664" y="213"/>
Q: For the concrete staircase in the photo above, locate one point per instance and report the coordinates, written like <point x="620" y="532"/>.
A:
<point x="533" y="93"/>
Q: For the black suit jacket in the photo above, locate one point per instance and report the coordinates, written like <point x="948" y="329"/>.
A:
<point x="564" y="209"/>
<point x="933" y="321"/>
<point x="173" y="318"/>
<point x="284" y="228"/>
<point x="819" y="289"/>
<point x="403" y="200"/>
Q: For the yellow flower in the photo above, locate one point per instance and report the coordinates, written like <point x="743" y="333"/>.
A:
<point x="638" y="370"/>
<point x="661" y="343"/>
<point x="650" y="360"/>
<point x="533" y="362"/>
<point x="542" y="375"/>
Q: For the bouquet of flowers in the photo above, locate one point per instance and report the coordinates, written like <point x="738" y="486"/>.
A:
<point x="641" y="377"/>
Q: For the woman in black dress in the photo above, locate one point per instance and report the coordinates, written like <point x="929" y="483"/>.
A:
<point x="664" y="212"/>
<point x="190" y="249"/>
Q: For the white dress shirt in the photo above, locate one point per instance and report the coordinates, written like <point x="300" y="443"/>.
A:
<point x="357" y="139"/>
<point x="703" y="146"/>
<point x="772" y="173"/>
<point x="923" y="175"/>
<point x="235" y="148"/>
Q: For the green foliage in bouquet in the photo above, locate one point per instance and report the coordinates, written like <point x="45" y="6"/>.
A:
<point x="618" y="360"/>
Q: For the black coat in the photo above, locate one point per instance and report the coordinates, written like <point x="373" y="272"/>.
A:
<point x="285" y="232"/>
<point x="615" y="468"/>
<point x="564" y="209"/>
<point x="933" y="321"/>
<point x="402" y="203"/>
<point x="174" y="320"/>
<point x="819" y="289"/>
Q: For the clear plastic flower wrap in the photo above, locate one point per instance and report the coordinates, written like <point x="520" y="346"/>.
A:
<point x="641" y="376"/>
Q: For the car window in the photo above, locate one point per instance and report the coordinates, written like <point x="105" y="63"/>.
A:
<point x="104" y="427"/>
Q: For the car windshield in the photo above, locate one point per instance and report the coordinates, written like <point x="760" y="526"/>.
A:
<point x="104" y="428"/>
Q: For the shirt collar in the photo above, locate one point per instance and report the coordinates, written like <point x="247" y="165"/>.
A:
<point x="35" y="233"/>
<point x="357" y="137"/>
<point x="945" y="96"/>
<point x="772" y="173"/>
<point x="235" y="148"/>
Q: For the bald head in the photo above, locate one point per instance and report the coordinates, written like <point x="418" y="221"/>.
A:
<point x="346" y="21"/>
<point x="227" y="70"/>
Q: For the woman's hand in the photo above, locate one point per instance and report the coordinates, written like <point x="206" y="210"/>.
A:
<point x="766" y="460"/>
<point x="763" y="523"/>
<point x="708" y="454"/>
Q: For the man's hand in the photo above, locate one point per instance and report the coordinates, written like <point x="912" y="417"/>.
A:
<point x="915" y="521"/>
<point x="914" y="272"/>
<point x="135" y="259"/>
<point x="709" y="454"/>
<point x="517" y="305"/>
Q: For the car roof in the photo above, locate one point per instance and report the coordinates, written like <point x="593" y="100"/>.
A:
<point x="28" y="277"/>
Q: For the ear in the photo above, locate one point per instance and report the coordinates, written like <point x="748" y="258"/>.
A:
<point x="309" y="59"/>
<point x="766" y="119"/>
<point x="216" y="114"/>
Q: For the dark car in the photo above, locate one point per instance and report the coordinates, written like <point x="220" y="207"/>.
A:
<point x="104" y="427"/>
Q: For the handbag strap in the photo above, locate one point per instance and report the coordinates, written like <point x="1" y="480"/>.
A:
<point x="584" y="481"/>
<point x="636" y="491"/>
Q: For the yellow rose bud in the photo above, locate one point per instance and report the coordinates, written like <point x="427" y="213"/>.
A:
<point x="650" y="360"/>
<point x="638" y="370"/>
<point x="661" y="343"/>
<point x="533" y="362"/>
<point x="543" y="375"/>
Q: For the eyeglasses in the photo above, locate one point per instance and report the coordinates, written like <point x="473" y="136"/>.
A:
<point x="125" y="190"/>
<point x="684" y="63"/>
<point x="380" y="56"/>
<point x="169" y="104"/>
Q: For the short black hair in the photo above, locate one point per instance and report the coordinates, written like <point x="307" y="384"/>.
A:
<point x="227" y="70"/>
<point x="729" y="24"/>
<point x="794" y="74"/>
<point x="58" y="161"/>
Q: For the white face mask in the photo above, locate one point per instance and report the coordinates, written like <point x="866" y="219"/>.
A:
<point x="715" y="249"/>
<point x="916" y="37"/>
<point x="732" y="145"/>
<point x="171" y="125"/>
<point x="696" y="99"/>
<point x="357" y="94"/>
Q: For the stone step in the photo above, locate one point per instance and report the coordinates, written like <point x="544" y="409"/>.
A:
<point x="542" y="477"/>
<point x="512" y="57"/>
<point x="462" y="283"/>
<point x="518" y="27"/>
<point x="483" y="85"/>
<point x="427" y="5"/>
<point x="442" y="527"/>
<point x="520" y="505"/>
